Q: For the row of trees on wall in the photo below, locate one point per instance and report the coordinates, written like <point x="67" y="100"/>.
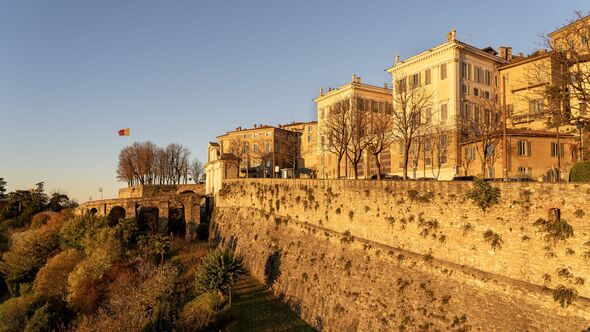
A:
<point x="283" y="151"/>
<point x="145" y="163"/>
<point x="349" y="130"/>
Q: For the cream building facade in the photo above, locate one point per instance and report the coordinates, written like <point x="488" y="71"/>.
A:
<point x="455" y="73"/>
<point x="367" y="98"/>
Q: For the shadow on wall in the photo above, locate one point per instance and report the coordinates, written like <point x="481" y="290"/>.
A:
<point x="272" y="268"/>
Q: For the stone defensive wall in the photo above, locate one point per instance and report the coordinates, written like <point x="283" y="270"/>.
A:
<point x="412" y="255"/>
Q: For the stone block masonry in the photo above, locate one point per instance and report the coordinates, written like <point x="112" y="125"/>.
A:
<point x="388" y="255"/>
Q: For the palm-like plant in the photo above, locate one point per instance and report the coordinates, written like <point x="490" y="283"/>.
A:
<point x="220" y="270"/>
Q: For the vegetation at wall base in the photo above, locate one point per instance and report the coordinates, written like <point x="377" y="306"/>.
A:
<point x="580" y="172"/>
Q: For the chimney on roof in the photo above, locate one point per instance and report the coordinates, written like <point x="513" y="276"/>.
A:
<point x="520" y="54"/>
<point x="506" y="53"/>
<point x="254" y="125"/>
<point x="452" y="35"/>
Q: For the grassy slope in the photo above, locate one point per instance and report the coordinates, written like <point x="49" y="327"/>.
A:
<point x="255" y="308"/>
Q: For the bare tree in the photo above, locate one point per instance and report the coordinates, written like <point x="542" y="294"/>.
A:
<point x="379" y="135"/>
<point x="292" y="150"/>
<point x="336" y="131"/>
<point x="238" y="148"/>
<point x="438" y="139"/>
<point x="358" y="123"/>
<point x="482" y="128"/>
<point x="144" y="164"/>
<point x="410" y="100"/>
<point x="197" y="170"/>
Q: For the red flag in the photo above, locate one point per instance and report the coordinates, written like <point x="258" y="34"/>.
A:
<point x="124" y="132"/>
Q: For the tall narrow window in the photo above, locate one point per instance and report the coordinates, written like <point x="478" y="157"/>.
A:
<point x="427" y="79"/>
<point x="464" y="71"/>
<point x="524" y="148"/>
<point x="416" y="80"/>
<point x="443" y="71"/>
<point x="443" y="112"/>
<point x="557" y="149"/>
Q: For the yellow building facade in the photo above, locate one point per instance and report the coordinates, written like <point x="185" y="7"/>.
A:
<point x="355" y="94"/>
<point x="455" y="74"/>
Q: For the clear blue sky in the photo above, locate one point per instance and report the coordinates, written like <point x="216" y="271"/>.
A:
<point x="74" y="72"/>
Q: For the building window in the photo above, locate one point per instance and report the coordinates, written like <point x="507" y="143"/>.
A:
<point x="374" y="106"/>
<point x="464" y="89"/>
<point x="416" y="80"/>
<point x="584" y="40"/>
<point x="255" y="135"/>
<point x="488" y="77"/>
<point x="535" y="106"/>
<point x="267" y="147"/>
<point x="427" y="144"/>
<point x="443" y="71"/>
<point x="470" y="155"/>
<point x="245" y="136"/>
<point x="486" y="94"/>
<point x="476" y="92"/>
<point x="443" y="112"/>
<point x="427" y="79"/>
<point x="557" y="149"/>
<point x="524" y="148"/>
<point x="255" y="147"/>
<point x="583" y="107"/>
<point x="401" y="85"/>
<point x="428" y="115"/>
<point x="464" y="72"/>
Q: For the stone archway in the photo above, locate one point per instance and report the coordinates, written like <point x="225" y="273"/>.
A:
<point x="116" y="213"/>
<point x="176" y="218"/>
<point x="93" y="211"/>
<point x="148" y="219"/>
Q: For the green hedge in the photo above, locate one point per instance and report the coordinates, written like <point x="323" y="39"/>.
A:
<point x="580" y="172"/>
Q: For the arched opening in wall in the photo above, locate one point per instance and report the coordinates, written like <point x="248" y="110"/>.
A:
<point x="148" y="219"/>
<point x="117" y="213"/>
<point x="187" y="192"/>
<point x="93" y="211"/>
<point x="206" y="207"/>
<point x="176" y="219"/>
<point x="554" y="214"/>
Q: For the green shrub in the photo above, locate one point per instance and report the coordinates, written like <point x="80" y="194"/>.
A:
<point x="51" y="316"/>
<point x="558" y="230"/>
<point x="76" y="229"/>
<point x="52" y="278"/>
<point x="483" y="194"/>
<point x="14" y="312"/>
<point x="220" y="271"/>
<point x="580" y="172"/>
<point x="200" y="312"/>
<point x="565" y="296"/>
<point x="28" y="253"/>
<point x="494" y="239"/>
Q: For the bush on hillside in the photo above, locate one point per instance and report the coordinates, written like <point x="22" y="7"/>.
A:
<point x="28" y="253"/>
<point x="75" y="231"/>
<point x="52" y="316"/>
<point x="15" y="312"/>
<point x="52" y="278"/>
<point x="580" y="172"/>
<point x="201" y="312"/>
<point x="144" y="303"/>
